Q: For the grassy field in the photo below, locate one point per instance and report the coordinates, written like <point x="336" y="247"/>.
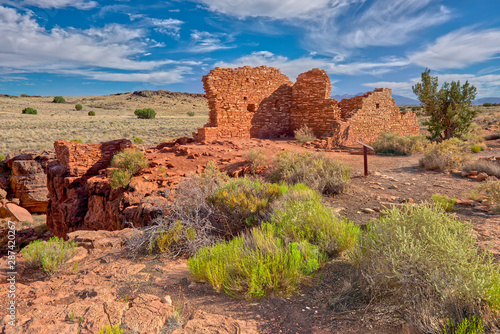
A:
<point x="114" y="119"/>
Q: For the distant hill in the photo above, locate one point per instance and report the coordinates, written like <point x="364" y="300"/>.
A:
<point x="486" y="100"/>
<point x="400" y="100"/>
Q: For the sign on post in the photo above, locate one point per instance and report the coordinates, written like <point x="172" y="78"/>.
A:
<point x="365" y="155"/>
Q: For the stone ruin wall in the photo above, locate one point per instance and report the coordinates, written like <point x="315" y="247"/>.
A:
<point x="364" y="117"/>
<point x="246" y="102"/>
<point x="311" y="102"/>
<point x="261" y="102"/>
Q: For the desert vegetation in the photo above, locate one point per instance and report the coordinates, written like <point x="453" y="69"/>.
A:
<point x="49" y="255"/>
<point x="395" y="143"/>
<point x="127" y="163"/>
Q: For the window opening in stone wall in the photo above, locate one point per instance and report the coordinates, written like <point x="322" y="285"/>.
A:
<point x="244" y="98"/>
<point x="251" y="107"/>
<point x="377" y="105"/>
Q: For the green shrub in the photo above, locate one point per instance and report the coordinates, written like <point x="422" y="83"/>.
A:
<point x="2" y="158"/>
<point x="257" y="159"/>
<point x="443" y="201"/>
<point x="79" y="141"/>
<point x="414" y="109"/>
<point x="190" y="113"/>
<point x="394" y="143"/>
<point x="490" y="191"/>
<point x="470" y="325"/>
<point x="449" y="154"/>
<point x="301" y="216"/>
<point x="58" y="99"/>
<point x="317" y="171"/>
<point x="483" y="166"/>
<point x="476" y="148"/>
<point x="108" y="329"/>
<point x="427" y="262"/>
<point x="137" y="140"/>
<point x="256" y="264"/>
<point x="24" y="95"/>
<point x="29" y="111"/>
<point x="188" y="223"/>
<point x="128" y="163"/>
<point x="244" y="202"/>
<point x="78" y="107"/>
<point x="91" y="113"/>
<point x="49" y="255"/>
<point x="304" y="135"/>
<point x="146" y="113"/>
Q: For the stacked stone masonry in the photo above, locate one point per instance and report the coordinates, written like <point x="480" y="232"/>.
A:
<point x="261" y="102"/>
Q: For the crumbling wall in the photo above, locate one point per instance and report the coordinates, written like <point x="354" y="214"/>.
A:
<point x="364" y="117"/>
<point x="311" y="102"/>
<point x="261" y="102"/>
<point x="245" y="102"/>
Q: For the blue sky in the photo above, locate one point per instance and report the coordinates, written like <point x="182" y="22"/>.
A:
<point x="96" y="47"/>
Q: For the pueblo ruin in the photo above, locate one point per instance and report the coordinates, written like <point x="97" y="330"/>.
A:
<point x="261" y="102"/>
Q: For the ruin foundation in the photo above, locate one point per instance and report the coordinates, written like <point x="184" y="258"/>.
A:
<point x="261" y="102"/>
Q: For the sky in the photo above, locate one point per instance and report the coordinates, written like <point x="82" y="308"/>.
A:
<point x="97" y="47"/>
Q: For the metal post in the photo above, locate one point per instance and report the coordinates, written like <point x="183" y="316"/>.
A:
<point x="365" y="154"/>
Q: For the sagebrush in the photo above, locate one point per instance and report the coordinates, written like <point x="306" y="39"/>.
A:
<point x="317" y="171"/>
<point x="128" y="162"/>
<point x="427" y="261"/>
<point x="304" y="135"/>
<point x="390" y="142"/>
<point x="448" y="154"/>
<point x="59" y="99"/>
<point x="49" y="255"/>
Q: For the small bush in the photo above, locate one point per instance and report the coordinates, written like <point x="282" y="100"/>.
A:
<point x="91" y="113"/>
<point x="490" y="191"/>
<point x="29" y="111"/>
<point x="257" y="159"/>
<point x="470" y="325"/>
<point x="2" y="158"/>
<point x="146" y="113"/>
<point x="78" y="107"/>
<point x="108" y="329"/>
<point x="304" y="135"/>
<point x="483" y="166"/>
<point x="449" y="154"/>
<point x="476" y="148"/>
<point x="444" y="202"/>
<point x="256" y="264"/>
<point x="49" y="255"/>
<point x="189" y="223"/>
<point x="137" y="140"/>
<point x="314" y="170"/>
<point x="191" y="113"/>
<point x="24" y="95"/>
<point x="427" y="262"/>
<point x="244" y="202"/>
<point x="79" y="141"/>
<point x="394" y="143"/>
<point x="301" y="216"/>
<point x="58" y="99"/>
<point x="128" y="163"/>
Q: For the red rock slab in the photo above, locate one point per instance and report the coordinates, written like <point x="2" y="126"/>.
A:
<point x="19" y="213"/>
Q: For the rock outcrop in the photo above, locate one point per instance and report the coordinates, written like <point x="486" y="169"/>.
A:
<point x="28" y="179"/>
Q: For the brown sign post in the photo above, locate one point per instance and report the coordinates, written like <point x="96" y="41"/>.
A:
<point x="365" y="155"/>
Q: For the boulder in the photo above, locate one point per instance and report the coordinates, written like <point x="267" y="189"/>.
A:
<point x="18" y="213"/>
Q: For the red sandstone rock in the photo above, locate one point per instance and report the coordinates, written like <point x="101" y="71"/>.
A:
<point x="19" y="213"/>
<point x="482" y="176"/>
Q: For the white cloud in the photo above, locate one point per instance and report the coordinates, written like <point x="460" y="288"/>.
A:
<point x="278" y="9"/>
<point x="487" y="85"/>
<point x="204" y="41"/>
<point x="293" y="67"/>
<point x="335" y="27"/>
<point x="25" y="47"/>
<point x="156" y="77"/>
<point x="459" y="49"/>
<point x="170" y="27"/>
<point x="80" y="4"/>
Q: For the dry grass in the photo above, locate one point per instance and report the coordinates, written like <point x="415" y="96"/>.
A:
<point x="114" y="119"/>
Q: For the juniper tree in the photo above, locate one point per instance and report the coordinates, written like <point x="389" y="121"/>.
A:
<point x="449" y="108"/>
